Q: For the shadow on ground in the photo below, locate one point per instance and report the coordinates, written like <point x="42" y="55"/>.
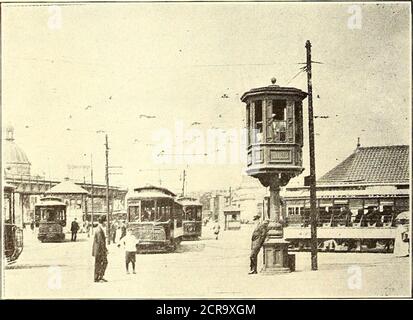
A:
<point x="66" y="240"/>
<point x="190" y="247"/>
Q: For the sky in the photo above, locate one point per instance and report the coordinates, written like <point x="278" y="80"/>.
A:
<point x="139" y="72"/>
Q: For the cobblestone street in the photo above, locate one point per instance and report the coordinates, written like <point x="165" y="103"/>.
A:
<point x="207" y="268"/>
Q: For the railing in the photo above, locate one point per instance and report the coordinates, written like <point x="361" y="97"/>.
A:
<point x="383" y="220"/>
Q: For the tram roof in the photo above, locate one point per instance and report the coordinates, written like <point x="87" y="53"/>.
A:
<point x="8" y="187"/>
<point x="187" y="201"/>
<point x="155" y="189"/>
<point x="152" y="192"/>
<point x="231" y="210"/>
<point x="50" y="203"/>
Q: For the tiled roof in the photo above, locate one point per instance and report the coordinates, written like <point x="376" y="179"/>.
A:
<point x="370" y="165"/>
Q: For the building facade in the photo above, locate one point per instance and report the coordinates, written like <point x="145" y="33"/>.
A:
<point x="30" y="188"/>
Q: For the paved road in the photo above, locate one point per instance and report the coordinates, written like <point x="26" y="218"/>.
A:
<point x="207" y="268"/>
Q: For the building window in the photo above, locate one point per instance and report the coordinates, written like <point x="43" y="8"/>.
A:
<point x="294" y="211"/>
<point x="278" y="121"/>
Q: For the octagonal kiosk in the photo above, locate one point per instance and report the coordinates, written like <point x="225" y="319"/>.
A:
<point x="274" y="119"/>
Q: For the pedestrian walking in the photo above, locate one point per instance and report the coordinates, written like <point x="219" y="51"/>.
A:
<point x="129" y="243"/>
<point x="122" y="230"/>
<point x="32" y="225"/>
<point x="113" y="229"/>
<point x="87" y="228"/>
<point x="74" y="229"/>
<point x="216" y="229"/>
<point x="401" y="242"/>
<point x="99" y="251"/>
<point x="257" y="240"/>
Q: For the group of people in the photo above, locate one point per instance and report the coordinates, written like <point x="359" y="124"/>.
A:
<point x="129" y="242"/>
<point x="370" y="216"/>
<point x="117" y="230"/>
<point x="100" y="251"/>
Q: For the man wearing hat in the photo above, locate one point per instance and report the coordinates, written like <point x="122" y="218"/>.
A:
<point x="99" y="251"/>
<point x="257" y="240"/>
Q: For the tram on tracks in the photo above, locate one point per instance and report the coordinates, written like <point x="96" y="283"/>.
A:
<point x="50" y="217"/>
<point x="155" y="219"/>
<point x="339" y="229"/>
<point x="13" y="235"/>
<point x="192" y="218"/>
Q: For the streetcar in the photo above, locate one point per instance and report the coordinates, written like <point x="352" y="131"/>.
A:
<point x="192" y="218"/>
<point x="50" y="217"/>
<point x="155" y="219"/>
<point x="341" y="230"/>
<point x="13" y="235"/>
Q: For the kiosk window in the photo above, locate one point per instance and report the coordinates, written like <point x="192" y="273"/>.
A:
<point x="298" y="122"/>
<point x="248" y="124"/>
<point x="279" y="124"/>
<point x="258" y="120"/>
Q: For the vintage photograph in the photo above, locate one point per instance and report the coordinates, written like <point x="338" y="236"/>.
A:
<point x="206" y="150"/>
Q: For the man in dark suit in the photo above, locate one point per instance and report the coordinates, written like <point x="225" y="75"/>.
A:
<point x="257" y="240"/>
<point x="100" y="251"/>
<point x="74" y="228"/>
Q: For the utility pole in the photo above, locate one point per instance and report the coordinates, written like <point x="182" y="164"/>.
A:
<point x="91" y="192"/>
<point x="313" y="198"/>
<point x="183" y="183"/>
<point x="107" y="189"/>
<point x="84" y="199"/>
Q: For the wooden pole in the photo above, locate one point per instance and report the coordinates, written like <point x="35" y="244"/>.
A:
<point x="313" y="198"/>
<point x="183" y="183"/>
<point x="107" y="190"/>
<point x="91" y="191"/>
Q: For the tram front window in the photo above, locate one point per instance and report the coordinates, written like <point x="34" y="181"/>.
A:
<point x="148" y="210"/>
<point x="199" y="214"/>
<point x="147" y="214"/>
<point x="61" y="214"/>
<point x="133" y="215"/>
<point x="188" y="214"/>
<point x="163" y="211"/>
<point x="7" y="209"/>
<point x="51" y="215"/>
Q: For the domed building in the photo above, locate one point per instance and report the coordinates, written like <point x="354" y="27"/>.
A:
<point x="16" y="161"/>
